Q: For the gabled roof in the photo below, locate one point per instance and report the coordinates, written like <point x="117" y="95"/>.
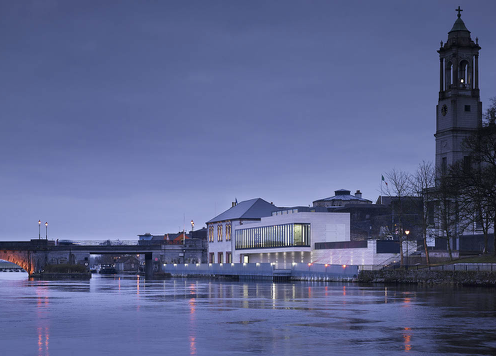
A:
<point x="248" y="209"/>
<point x="181" y="237"/>
<point x="126" y="259"/>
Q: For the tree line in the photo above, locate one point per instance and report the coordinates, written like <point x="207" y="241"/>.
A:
<point x="453" y="198"/>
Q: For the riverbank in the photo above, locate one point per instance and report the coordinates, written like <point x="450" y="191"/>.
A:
<point x="430" y="277"/>
<point x="54" y="275"/>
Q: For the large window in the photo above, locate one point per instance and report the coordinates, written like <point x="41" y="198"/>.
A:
<point x="210" y="233"/>
<point x="219" y="232"/>
<point x="228" y="232"/>
<point x="287" y="235"/>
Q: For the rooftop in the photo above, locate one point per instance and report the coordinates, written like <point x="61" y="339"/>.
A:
<point x="248" y="209"/>
<point x="343" y="194"/>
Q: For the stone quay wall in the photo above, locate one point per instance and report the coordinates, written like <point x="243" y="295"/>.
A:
<point x="430" y="277"/>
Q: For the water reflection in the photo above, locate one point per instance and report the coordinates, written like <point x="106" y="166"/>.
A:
<point x="201" y="317"/>
<point x="42" y="311"/>
<point x="407" y="336"/>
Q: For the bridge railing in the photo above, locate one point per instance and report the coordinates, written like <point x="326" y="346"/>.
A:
<point x="98" y="242"/>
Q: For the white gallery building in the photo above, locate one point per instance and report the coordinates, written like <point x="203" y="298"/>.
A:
<point x="255" y="231"/>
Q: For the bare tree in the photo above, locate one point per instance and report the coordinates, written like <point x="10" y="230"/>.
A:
<point x="490" y="115"/>
<point x="476" y="205"/>
<point x="477" y="174"/>
<point x="398" y="189"/>
<point x="446" y="210"/>
<point x="421" y="185"/>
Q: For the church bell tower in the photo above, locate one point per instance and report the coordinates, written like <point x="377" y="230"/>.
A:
<point x="459" y="109"/>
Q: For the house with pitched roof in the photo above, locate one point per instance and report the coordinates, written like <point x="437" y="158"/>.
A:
<point x="220" y="228"/>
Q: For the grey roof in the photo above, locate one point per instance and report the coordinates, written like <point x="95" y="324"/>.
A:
<point x="459" y="25"/>
<point x="248" y="209"/>
<point x="343" y="194"/>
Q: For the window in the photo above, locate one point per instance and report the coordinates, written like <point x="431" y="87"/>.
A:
<point x="464" y="73"/>
<point x="220" y="256"/>
<point x="228" y="231"/>
<point x="444" y="165"/>
<point x="467" y="107"/>
<point x="219" y="232"/>
<point x="478" y="221"/>
<point x="211" y="256"/>
<point x="210" y="233"/>
<point x="228" y="257"/>
<point x="286" y="235"/>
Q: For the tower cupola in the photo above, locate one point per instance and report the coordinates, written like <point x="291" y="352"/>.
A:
<point x="459" y="29"/>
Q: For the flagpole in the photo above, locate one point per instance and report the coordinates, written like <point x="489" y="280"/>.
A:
<point x="381" y="189"/>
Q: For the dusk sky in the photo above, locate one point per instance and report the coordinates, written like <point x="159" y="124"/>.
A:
<point x="125" y="117"/>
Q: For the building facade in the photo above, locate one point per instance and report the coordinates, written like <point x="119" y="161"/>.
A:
<point x="342" y="197"/>
<point x="220" y="229"/>
<point x="289" y="236"/>
<point x="458" y="115"/>
<point x="255" y="231"/>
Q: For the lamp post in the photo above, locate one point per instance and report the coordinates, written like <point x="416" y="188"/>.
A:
<point x="407" y="232"/>
<point x="46" y="231"/>
<point x="192" y="226"/>
<point x="39" y="229"/>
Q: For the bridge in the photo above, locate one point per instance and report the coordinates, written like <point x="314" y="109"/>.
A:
<point x="35" y="254"/>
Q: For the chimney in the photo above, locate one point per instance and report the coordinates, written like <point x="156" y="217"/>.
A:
<point x="358" y="194"/>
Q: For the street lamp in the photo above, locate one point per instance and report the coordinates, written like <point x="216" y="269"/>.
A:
<point x="407" y="232"/>
<point x="39" y="229"/>
<point x="192" y="225"/>
<point x="46" y="231"/>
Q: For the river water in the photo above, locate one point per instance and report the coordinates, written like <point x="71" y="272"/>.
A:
<point x="126" y="315"/>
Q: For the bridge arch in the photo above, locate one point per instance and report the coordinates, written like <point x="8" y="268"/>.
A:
<point x="21" y="258"/>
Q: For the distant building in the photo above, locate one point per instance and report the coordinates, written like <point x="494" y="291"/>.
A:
<point x="342" y="197"/>
<point x="127" y="264"/>
<point x="171" y="238"/>
<point x="179" y="247"/>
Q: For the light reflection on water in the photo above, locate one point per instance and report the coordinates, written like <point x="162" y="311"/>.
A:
<point x="130" y="315"/>
<point x="42" y="318"/>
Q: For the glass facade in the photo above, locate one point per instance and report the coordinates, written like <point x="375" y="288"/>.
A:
<point x="287" y="235"/>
